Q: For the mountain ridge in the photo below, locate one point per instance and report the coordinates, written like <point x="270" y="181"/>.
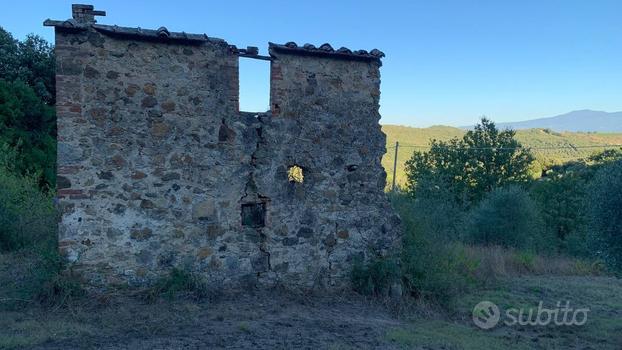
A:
<point x="584" y="120"/>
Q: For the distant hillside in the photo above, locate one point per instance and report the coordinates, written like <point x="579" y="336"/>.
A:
<point x="576" y="121"/>
<point x="535" y="138"/>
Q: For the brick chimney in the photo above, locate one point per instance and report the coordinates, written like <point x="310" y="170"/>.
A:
<point x="85" y="14"/>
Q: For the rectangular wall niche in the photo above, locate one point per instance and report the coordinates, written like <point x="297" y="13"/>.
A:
<point x="254" y="214"/>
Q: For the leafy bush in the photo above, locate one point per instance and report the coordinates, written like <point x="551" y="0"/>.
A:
<point x="561" y="199"/>
<point x="27" y="216"/>
<point x="605" y="213"/>
<point x="30" y="266"/>
<point x="28" y="126"/>
<point x="433" y="267"/>
<point x="36" y="274"/>
<point x="434" y="210"/>
<point x="178" y="281"/>
<point x="436" y="271"/>
<point x="429" y="265"/>
<point x="526" y="259"/>
<point x="507" y="217"/>
<point x="375" y="277"/>
<point x="578" y="244"/>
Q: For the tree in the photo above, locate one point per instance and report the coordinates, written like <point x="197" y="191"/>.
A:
<point x="562" y="200"/>
<point x="31" y="61"/>
<point x="506" y="217"/>
<point x="562" y="194"/>
<point x="27" y="90"/>
<point x="9" y="61"/>
<point x="605" y="211"/>
<point x="485" y="158"/>
<point x="27" y="126"/>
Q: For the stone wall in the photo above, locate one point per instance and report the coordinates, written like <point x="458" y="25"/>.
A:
<point x="157" y="168"/>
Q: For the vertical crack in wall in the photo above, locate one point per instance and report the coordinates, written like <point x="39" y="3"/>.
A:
<point x="263" y="238"/>
<point x="329" y="253"/>
<point x="252" y="195"/>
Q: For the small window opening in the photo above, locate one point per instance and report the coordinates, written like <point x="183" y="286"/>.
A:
<point x="254" y="214"/>
<point x="295" y="174"/>
<point x="254" y="85"/>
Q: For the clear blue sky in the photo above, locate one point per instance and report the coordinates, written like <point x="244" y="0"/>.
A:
<point x="448" y="62"/>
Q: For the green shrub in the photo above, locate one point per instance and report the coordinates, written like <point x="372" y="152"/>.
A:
<point x="507" y="217"/>
<point x="561" y="199"/>
<point x="27" y="216"/>
<point x="37" y="275"/>
<point x="376" y="276"/>
<point x="605" y="212"/>
<point x="31" y="269"/>
<point x="28" y="126"/>
<point x="578" y="244"/>
<point x="563" y="196"/>
<point x="525" y="259"/>
<point x="177" y="282"/>
<point x="434" y="210"/>
<point x="430" y="266"/>
<point x="436" y="271"/>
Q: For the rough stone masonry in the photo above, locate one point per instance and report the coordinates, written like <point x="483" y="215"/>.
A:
<point x="158" y="168"/>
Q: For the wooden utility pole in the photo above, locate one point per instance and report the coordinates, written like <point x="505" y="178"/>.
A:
<point x="397" y="145"/>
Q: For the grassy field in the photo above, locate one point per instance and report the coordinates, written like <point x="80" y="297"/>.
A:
<point x="536" y="138"/>
<point x="279" y="320"/>
<point x="603" y="329"/>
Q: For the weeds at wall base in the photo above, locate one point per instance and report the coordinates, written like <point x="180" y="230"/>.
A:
<point x="177" y="282"/>
<point x="37" y="276"/>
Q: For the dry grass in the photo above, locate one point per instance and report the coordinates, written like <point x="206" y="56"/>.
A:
<point x="494" y="262"/>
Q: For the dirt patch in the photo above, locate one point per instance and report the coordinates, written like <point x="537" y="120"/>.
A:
<point x="260" y="320"/>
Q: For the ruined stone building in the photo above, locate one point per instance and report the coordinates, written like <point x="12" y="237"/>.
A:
<point x="158" y="168"/>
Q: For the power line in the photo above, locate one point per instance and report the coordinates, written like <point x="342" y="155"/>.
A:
<point x="543" y="148"/>
<point x="571" y="147"/>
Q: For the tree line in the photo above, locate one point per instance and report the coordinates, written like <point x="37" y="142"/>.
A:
<point x="27" y="115"/>
<point x="27" y="143"/>
<point x="478" y="189"/>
